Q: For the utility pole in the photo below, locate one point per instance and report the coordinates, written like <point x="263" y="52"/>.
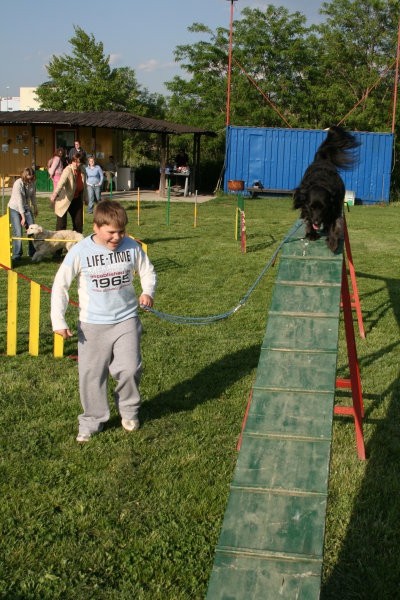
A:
<point x="228" y="95"/>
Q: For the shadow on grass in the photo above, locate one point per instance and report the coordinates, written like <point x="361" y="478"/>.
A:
<point x="210" y="382"/>
<point x="368" y="562"/>
<point x="252" y="247"/>
<point x="165" y="264"/>
<point x="367" y="567"/>
<point x="393" y="287"/>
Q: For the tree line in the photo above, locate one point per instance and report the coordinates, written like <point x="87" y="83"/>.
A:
<point x="284" y="74"/>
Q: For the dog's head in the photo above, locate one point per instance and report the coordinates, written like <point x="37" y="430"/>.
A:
<point x="34" y="229"/>
<point x="318" y="208"/>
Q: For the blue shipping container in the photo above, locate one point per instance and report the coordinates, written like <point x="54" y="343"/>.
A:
<point x="278" y="157"/>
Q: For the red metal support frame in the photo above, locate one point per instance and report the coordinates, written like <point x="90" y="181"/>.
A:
<point x="354" y="383"/>
<point x="355" y="298"/>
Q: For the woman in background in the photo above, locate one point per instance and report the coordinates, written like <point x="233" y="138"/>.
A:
<point x="23" y="208"/>
<point x="70" y="195"/>
<point x="58" y="162"/>
<point x="94" y="182"/>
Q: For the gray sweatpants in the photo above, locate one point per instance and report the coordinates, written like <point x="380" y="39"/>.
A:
<point x="105" y="350"/>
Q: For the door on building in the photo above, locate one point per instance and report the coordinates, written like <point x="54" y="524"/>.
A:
<point x="65" y="138"/>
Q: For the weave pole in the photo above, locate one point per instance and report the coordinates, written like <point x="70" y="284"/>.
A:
<point x="168" y="200"/>
<point x="195" y="210"/>
<point x="138" y="206"/>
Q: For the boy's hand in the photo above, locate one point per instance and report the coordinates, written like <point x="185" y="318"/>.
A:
<point x="65" y="333"/>
<point x="146" y="301"/>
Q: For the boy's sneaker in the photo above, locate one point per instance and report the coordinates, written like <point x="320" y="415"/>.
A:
<point x="130" y="424"/>
<point x="82" y="438"/>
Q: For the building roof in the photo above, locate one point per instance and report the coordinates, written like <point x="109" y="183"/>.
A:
<point x="108" y="119"/>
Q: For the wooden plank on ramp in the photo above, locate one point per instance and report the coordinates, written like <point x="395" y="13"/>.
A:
<point x="271" y="542"/>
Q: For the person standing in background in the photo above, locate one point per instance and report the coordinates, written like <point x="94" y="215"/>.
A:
<point x="94" y="181"/>
<point x="70" y="195"/>
<point x="58" y="163"/>
<point x="23" y="208"/>
<point x="110" y="173"/>
<point x="181" y="160"/>
<point x="77" y="148"/>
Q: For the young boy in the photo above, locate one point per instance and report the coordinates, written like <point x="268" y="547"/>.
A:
<point x="109" y="328"/>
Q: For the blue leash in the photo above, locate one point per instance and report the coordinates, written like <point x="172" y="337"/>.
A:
<point x="181" y="320"/>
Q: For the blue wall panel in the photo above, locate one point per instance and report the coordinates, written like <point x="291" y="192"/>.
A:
<point x="278" y="158"/>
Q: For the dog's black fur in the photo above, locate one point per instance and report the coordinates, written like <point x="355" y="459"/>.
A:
<point x="320" y="195"/>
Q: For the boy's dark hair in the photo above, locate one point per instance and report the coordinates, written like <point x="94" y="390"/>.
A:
<point x="110" y="212"/>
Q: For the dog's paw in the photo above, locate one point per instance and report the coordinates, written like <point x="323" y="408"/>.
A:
<point x="311" y="233"/>
<point x="336" y="233"/>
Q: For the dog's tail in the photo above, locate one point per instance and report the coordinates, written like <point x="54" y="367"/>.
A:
<point x="337" y="146"/>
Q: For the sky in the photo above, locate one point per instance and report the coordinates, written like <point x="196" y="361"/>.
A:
<point x="140" y="34"/>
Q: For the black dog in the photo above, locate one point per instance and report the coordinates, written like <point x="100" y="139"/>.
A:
<point x="320" y="195"/>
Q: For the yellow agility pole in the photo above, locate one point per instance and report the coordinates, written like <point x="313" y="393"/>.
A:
<point x="54" y="240"/>
<point x="5" y="241"/>
<point x="12" y="297"/>
<point x="58" y="349"/>
<point x="195" y="210"/>
<point x="236" y="222"/>
<point x="34" y="319"/>
<point x="138" y="206"/>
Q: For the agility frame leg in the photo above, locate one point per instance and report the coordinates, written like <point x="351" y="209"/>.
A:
<point x="355" y="298"/>
<point x="354" y="383"/>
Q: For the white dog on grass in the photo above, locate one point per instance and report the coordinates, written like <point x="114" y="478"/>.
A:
<point x="44" y="244"/>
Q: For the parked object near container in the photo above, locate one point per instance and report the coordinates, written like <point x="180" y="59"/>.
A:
<point x="235" y="185"/>
<point x="349" y="198"/>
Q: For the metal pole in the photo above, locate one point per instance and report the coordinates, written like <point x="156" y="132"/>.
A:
<point x="195" y="210"/>
<point x="396" y="80"/>
<point x="228" y="95"/>
<point x="168" y="199"/>
<point x="138" y="206"/>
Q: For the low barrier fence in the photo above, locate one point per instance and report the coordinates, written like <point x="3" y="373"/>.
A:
<point x="35" y="297"/>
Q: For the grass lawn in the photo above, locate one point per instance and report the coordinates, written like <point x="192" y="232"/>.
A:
<point x="139" y="515"/>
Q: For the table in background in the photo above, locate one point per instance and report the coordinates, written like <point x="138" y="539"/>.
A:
<point x="186" y="182"/>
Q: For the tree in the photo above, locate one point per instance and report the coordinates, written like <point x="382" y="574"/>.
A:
<point x="311" y="76"/>
<point x="356" y="55"/>
<point x="269" y="50"/>
<point x="84" y="81"/>
<point x="286" y="74"/>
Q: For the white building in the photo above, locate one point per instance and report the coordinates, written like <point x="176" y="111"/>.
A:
<point x="8" y="103"/>
<point x="25" y="101"/>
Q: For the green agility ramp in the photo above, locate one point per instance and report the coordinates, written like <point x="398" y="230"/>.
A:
<point x="271" y="542"/>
